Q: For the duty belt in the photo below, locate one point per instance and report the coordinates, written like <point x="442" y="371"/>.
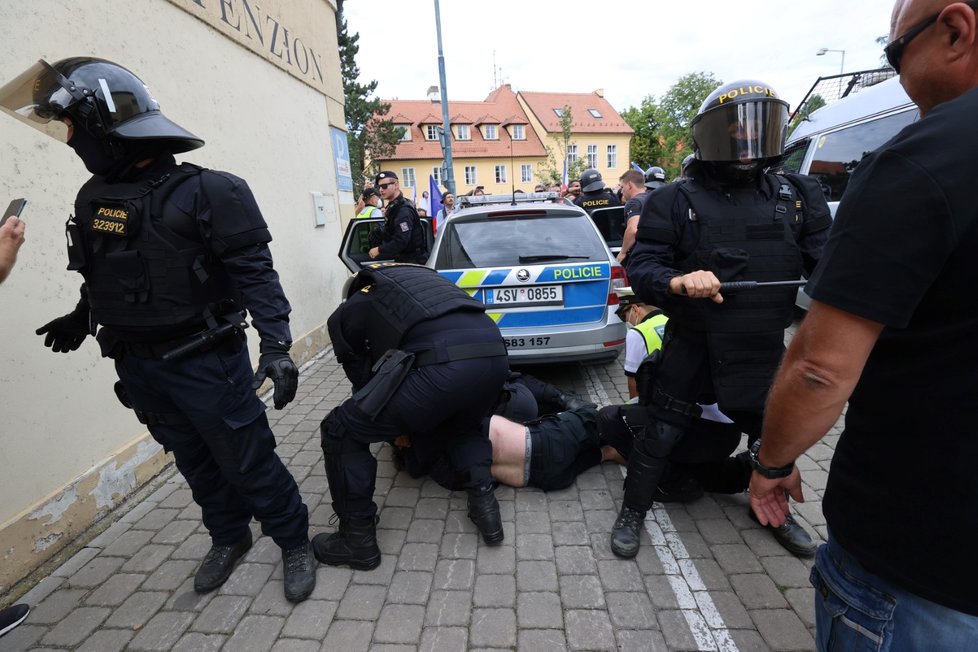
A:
<point x="459" y="352"/>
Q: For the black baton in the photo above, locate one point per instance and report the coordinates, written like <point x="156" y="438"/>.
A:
<point x="733" y="286"/>
<point x="207" y="338"/>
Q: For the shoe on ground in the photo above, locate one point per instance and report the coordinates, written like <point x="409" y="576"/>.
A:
<point x="681" y="489"/>
<point x="218" y="564"/>
<point x="484" y="512"/>
<point x="300" y="572"/>
<point x="791" y="535"/>
<point x="626" y="533"/>
<point x="12" y="616"/>
<point x="353" y="545"/>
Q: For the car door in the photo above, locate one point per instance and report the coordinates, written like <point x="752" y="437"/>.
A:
<point x="355" y="248"/>
<point x="611" y="223"/>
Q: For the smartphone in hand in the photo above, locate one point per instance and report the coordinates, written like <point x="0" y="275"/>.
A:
<point x="13" y="210"/>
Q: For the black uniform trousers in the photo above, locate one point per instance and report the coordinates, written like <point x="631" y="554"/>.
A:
<point x="203" y="409"/>
<point x="439" y="406"/>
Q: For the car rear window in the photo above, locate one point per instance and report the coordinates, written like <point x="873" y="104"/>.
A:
<point x="519" y="240"/>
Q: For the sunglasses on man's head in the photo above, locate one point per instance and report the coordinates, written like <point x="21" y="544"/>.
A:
<point x="384" y="186"/>
<point x="895" y="48"/>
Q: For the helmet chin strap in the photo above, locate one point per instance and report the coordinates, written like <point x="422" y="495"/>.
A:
<point x="736" y="174"/>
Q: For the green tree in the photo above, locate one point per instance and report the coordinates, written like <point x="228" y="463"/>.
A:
<point x="369" y="135"/>
<point x="553" y="170"/>
<point x="645" y="120"/>
<point x="814" y="103"/>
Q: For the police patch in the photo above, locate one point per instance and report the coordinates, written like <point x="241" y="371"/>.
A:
<point x="405" y="226"/>
<point x="110" y="219"/>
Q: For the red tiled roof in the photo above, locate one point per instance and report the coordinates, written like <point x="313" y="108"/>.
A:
<point x="542" y="106"/>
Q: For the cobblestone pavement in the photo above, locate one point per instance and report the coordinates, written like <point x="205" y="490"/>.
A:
<point x="706" y="578"/>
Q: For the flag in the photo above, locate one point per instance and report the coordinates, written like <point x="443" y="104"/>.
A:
<point x="435" y="196"/>
<point x="564" y="177"/>
<point x="635" y="165"/>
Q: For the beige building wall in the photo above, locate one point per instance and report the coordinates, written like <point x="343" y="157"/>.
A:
<point x="582" y="140"/>
<point x="69" y="452"/>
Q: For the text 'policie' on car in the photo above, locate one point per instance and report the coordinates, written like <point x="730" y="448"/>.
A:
<point x="541" y="267"/>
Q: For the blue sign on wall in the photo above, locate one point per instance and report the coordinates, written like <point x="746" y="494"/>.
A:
<point x="341" y="150"/>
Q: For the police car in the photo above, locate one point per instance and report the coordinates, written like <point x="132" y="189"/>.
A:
<point x="539" y="265"/>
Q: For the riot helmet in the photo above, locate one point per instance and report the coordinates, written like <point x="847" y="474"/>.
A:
<point x="107" y="101"/>
<point x="655" y="177"/>
<point x="591" y="181"/>
<point x="739" y="128"/>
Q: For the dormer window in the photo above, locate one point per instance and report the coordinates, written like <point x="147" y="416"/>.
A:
<point x="431" y="132"/>
<point x="405" y="132"/>
<point x="463" y="132"/>
<point x="519" y="133"/>
<point x="491" y="132"/>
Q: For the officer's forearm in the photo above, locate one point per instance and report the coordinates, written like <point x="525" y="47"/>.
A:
<point x="256" y="280"/>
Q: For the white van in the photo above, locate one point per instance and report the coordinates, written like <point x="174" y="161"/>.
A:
<point x="832" y="141"/>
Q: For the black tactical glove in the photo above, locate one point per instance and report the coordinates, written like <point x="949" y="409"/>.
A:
<point x="276" y="364"/>
<point x="66" y="333"/>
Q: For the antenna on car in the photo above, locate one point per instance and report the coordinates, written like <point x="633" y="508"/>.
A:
<point x="512" y="169"/>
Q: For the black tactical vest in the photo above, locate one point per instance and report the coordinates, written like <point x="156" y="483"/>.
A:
<point x="745" y="238"/>
<point x="139" y="272"/>
<point x="403" y="296"/>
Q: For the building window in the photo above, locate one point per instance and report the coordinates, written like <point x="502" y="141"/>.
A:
<point x="571" y="153"/>
<point x="559" y="112"/>
<point x="405" y="132"/>
<point x="463" y="132"/>
<point x="470" y="175"/>
<point x="519" y="133"/>
<point x="595" y="113"/>
<point x="592" y="156"/>
<point x="436" y="175"/>
<point x="431" y="132"/>
<point x="491" y="133"/>
<point x="612" y="156"/>
<point x="407" y="177"/>
<point x="526" y="172"/>
<point x="500" y="174"/>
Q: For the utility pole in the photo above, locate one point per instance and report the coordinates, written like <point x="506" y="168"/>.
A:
<point x="446" y="135"/>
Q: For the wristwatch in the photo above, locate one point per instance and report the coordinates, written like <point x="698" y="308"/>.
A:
<point x="772" y="473"/>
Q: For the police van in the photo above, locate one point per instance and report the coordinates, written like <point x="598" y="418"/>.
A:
<point x="831" y="142"/>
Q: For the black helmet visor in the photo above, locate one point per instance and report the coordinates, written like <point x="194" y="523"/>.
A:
<point x="38" y="97"/>
<point x="741" y="131"/>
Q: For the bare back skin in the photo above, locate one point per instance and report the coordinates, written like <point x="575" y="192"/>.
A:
<point x="508" y="451"/>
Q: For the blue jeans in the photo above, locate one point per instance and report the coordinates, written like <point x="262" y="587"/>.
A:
<point x="856" y="610"/>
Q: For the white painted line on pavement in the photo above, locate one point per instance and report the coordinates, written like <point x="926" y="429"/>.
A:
<point x="704" y="620"/>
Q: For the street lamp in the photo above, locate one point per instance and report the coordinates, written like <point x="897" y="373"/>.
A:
<point x="842" y="65"/>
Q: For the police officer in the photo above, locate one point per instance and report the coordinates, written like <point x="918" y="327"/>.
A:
<point x="594" y="194"/>
<point x="171" y="255"/>
<point x="655" y="177"/>
<point x="427" y="362"/>
<point x="731" y="221"/>
<point x="371" y="199"/>
<point x="402" y="237"/>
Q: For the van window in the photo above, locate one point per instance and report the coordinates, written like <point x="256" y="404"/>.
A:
<point x="838" y="153"/>
<point x="793" y="157"/>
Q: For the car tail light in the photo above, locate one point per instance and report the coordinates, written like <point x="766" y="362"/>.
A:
<point x="618" y="280"/>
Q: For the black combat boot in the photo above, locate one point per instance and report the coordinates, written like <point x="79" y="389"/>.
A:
<point x="300" y="572"/>
<point x="791" y="535"/>
<point x="353" y="545"/>
<point x="484" y="512"/>
<point x="626" y="533"/>
<point x="218" y="564"/>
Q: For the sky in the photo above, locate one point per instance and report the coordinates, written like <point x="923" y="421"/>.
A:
<point x="629" y="49"/>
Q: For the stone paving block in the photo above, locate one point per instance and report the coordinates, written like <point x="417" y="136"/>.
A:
<point x="694" y="546"/>
<point x="194" y="547"/>
<point x="390" y="542"/>
<point x="418" y="557"/>
<point x="178" y="499"/>
<point x="493" y="627"/>
<point x="222" y="614"/>
<point x="410" y="587"/>
<point x="107" y="640"/>
<point x="78" y="561"/>
<point x="736" y="559"/>
<point x="536" y="576"/>
<point x="529" y="499"/>
<point x="148" y="558"/>
<point x="459" y="545"/>
<point x="271" y="600"/>
<point x="447" y="608"/>
<point x="310" y="619"/>
<point x="648" y="561"/>
<point x="717" y="531"/>
<point x="802" y="601"/>
<point x="731" y="610"/>
<point x="256" y="633"/>
<point x="137" y="610"/>
<point x="393" y="647"/>
<point x="171" y="574"/>
<point x="629" y="610"/>
<point x="782" y="629"/>
<point x="661" y="591"/>
<point x="186" y="599"/>
<point x="264" y="551"/>
<point x="110" y="534"/>
<point x="787" y="572"/>
<point x="398" y="518"/>
<point x="399" y="623"/>
<point x="539" y="610"/>
<point x="403" y="497"/>
<point x="762" y="543"/>
<point x="591" y="481"/>
<point x="247" y="579"/>
<point x="601" y="545"/>
<point x="758" y="591"/>
<point x="542" y="640"/>
<point x="380" y="575"/>
<point x="681" y="520"/>
<point x="362" y="602"/>
<point x="748" y="640"/>
<point x="646" y="640"/>
<point x="425" y="531"/>
<point x="705" y="508"/>
<point x="23" y="637"/>
<point x="589" y="630"/>
<point x="155" y="519"/>
<point x="443" y="639"/>
<point x="575" y="560"/>
<point x="581" y="592"/>
<point x="620" y="575"/>
<point x="113" y="592"/>
<point x="296" y="645"/>
<point x="431" y="508"/>
<point x="496" y="559"/>
<point x="56" y="607"/>
<point x="162" y="632"/>
<point x="137" y="512"/>
<point x="534" y="547"/>
<point x="532" y="523"/>
<point x="675" y="630"/>
<point x="95" y="572"/>
<point x="494" y="591"/>
<point x="456" y="574"/>
<point x="566" y="511"/>
<point x="197" y="642"/>
<point x="594" y="501"/>
<point x="709" y="572"/>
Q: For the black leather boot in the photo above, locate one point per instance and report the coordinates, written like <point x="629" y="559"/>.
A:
<point x="353" y="545"/>
<point x="300" y="572"/>
<point x="218" y="564"/>
<point x="484" y="512"/>
<point x="791" y="535"/>
<point x="626" y="533"/>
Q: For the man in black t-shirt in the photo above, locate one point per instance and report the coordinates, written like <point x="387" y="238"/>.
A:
<point x="633" y="191"/>
<point x="892" y="329"/>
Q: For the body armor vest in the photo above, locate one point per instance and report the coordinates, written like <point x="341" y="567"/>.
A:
<point x="140" y="272"/>
<point x="405" y="295"/>
<point x="651" y="328"/>
<point x="744" y="239"/>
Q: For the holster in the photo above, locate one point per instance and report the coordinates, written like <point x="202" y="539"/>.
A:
<point x="645" y="376"/>
<point x="388" y="374"/>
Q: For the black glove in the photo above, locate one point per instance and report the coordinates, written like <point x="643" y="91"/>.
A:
<point x="66" y="333"/>
<point x="276" y="364"/>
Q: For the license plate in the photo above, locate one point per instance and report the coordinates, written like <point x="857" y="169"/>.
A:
<point x="537" y="295"/>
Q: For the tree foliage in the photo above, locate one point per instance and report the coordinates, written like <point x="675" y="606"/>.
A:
<point x="553" y="170"/>
<point x="369" y="135"/>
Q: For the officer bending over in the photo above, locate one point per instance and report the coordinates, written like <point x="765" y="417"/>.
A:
<point x="425" y="361"/>
<point x="402" y="237"/>
<point x="731" y="221"/>
<point x="171" y="255"/>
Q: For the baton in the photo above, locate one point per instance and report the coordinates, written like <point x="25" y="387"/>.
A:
<point x="200" y="341"/>
<point x="734" y="286"/>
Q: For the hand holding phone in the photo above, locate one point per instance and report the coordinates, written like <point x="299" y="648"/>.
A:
<point x="15" y="208"/>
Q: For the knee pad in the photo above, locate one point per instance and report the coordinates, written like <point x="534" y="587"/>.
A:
<point x="659" y="438"/>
